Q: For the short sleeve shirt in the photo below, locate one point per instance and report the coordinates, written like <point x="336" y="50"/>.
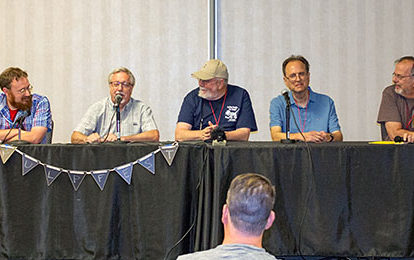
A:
<point x="232" y="111"/>
<point x="319" y="115"/>
<point x="136" y="117"/>
<point x="40" y="114"/>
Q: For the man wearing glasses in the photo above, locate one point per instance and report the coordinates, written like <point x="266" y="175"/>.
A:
<point x="215" y="105"/>
<point x="312" y="114"/>
<point x="136" y="120"/>
<point x="396" y="111"/>
<point x="19" y="108"/>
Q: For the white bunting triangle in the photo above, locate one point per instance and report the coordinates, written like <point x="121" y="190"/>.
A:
<point x="169" y="151"/>
<point x="6" y="152"/>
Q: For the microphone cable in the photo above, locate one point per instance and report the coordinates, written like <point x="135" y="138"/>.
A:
<point x="309" y="194"/>
<point x="195" y="207"/>
<point x="110" y="124"/>
<point x="20" y="121"/>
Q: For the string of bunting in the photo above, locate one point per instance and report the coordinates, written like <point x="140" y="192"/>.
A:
<point x="100" y="176"/>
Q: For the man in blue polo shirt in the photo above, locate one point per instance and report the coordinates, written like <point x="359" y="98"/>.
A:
<point x="314" y="113"/>
<point x="215" y="104"/>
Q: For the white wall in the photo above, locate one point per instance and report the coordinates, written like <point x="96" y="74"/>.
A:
<point x="351" y="46"/>
<point x="69" y="47"/>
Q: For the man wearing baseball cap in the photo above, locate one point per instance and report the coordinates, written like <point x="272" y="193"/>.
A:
<point x="215" y="104"/>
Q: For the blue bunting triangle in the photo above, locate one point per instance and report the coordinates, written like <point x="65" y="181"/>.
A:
<point x="100" y="178"/>
<point x="76" y="178"/>
<point x="125" y="171"/>
<point x="148" y="162"/>
<point x="28" y="163"/>
<point x="51" y="174"/>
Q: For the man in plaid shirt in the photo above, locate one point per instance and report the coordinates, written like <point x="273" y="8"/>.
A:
<point x="19" y="107"/>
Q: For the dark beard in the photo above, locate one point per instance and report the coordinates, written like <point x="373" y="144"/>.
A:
<point x="25" y="105"/>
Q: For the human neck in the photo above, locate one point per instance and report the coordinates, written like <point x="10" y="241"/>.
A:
<point x="301" y="98"/>
<point x="237" y="237"/>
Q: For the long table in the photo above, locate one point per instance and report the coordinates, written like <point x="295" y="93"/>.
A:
<point x="335" y="199"/>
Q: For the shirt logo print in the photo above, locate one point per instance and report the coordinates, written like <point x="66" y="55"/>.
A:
<point x="231" y="113"/>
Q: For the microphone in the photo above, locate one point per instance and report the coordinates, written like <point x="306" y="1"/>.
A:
<point x="218" y="136"/>
<point x="118" y="99"/>
<point x="398" y="139"/>
<point x="285" y="93"/>
<point x="18" y="122"/>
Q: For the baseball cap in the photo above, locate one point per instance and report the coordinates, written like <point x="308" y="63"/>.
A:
<point x="212" y="69"/>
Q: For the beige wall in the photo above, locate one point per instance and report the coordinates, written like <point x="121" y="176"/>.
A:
<point x="351" y="46"/>
<point x="69" y="47"/>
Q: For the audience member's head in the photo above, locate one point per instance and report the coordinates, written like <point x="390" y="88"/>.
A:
<point x="249" y="204"/>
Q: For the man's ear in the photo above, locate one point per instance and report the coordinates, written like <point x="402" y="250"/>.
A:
<point x="270" y="220"/>
<point x="225" y="214"/>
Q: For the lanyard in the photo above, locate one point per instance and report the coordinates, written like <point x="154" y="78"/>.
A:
<point x="302" y="126"/>
<point x="222" y="106"/>
<point x="407" y="126"/>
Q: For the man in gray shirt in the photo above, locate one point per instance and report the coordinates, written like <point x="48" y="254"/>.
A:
<point x="136" y="120"/>
<point x="246" y="215"/>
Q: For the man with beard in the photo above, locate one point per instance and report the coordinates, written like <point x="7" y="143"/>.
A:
<point x="314" y="113"/>
<point x="396" y="111"/>
<point x="98" y="124"/>
<point x="215" y="104"/>
<point x="17" y="101"/>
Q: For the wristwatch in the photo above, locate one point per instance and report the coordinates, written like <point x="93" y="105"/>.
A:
<point x="332" y="137"/>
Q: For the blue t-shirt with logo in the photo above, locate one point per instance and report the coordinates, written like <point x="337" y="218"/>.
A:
<point x="237" y="110"/>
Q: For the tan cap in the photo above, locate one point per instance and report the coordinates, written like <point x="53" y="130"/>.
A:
<point x="212" y="69"/>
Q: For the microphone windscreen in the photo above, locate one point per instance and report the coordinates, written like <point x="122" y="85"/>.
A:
<point x="398" y="139"/>
<point x="118" y="98"/>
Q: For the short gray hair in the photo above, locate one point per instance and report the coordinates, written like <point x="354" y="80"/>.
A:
<point x="250" y="200"/>
<point x="406" y="58"/>
<point x="122" y="69"/>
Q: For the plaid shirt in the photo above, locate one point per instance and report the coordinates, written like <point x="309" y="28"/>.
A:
<point x="40" y="114"/>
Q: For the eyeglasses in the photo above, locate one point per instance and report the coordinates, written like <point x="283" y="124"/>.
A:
<point x="23" y="90"/>
<point x="293" y="76"/>
<point x="400" y="77"/>
<point x="116" y="84"/>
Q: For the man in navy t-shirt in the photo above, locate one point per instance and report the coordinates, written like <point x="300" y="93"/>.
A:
<point x="215" y="104"/>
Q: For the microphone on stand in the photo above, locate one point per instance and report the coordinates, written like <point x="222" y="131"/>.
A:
<point x="18" y="123"/>
<point x="118" y="100"/>
<point x="285" y="94"/>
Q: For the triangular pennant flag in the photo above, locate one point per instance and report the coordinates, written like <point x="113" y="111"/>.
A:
<point x="125" y="171"/>
<point x="169" y="151"/>
<point x="6" y="151"/>
<point x="76" y="178"/>
<point x="51" y="173"/>
<point x="148" y="162"/>
<point x="28" y="163"/>
<point x="100" y="177"/>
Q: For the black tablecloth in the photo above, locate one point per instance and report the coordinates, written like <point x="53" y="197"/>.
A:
<point x="343" y="199"/>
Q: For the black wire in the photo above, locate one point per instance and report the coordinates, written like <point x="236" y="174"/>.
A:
<point x="195" y="203"/>
<point x="308" y="195"/>
<point x="110" y="124"/>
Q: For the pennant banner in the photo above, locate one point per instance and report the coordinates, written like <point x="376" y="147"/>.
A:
<point x="28" y="163"/>
<point x="76" y="178"/>
<point x="169" y="151"/>
<point x="125" y="171"/>
<point x="6" y="151"/>
<point x="148" y="162"/>
<point x="51" y="174"/>
<point x="100" y="178"/>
